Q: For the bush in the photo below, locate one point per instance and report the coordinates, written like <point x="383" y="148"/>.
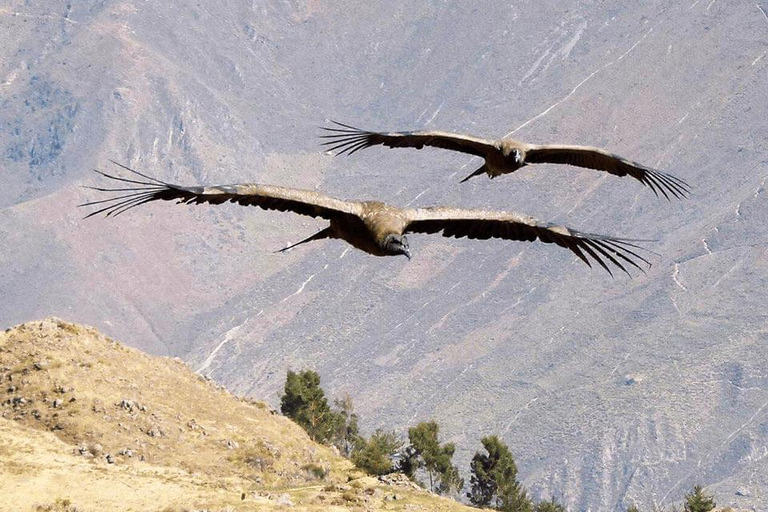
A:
<point x="549" y="506"/>
<point x="374" y="455"/>
<point x="315" y="471"/>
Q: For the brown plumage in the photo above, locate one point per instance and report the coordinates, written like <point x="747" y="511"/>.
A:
<point x="371" y="226"/>
<point x="506" y="155"/>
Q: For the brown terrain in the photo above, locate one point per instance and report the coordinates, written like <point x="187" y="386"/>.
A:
<point x="88" y="424"/>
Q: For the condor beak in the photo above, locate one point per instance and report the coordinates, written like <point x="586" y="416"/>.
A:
<point x="407" y="253"/>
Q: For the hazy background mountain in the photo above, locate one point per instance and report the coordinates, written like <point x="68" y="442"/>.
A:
<point x="609" y="391"/>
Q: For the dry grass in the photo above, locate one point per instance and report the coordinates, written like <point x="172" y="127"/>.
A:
<point x="89" y="424"/>
<point x="94" y="392"/>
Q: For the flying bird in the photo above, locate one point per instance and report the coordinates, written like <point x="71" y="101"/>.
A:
<point x="373" y="227"/>
<point x="506" y="155"/>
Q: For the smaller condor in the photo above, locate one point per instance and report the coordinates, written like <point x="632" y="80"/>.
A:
<point x="506" y="155"/>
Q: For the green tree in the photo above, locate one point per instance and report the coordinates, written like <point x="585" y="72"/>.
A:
<point x="698" y="501"/>
<point x="409" y="462"/>
<point x="346" y="434"/>
<point x="450" y="479"/>
<point x="493" y="479"/>
<point x="305" y="403"/>
<point x="549" y="506"/>
<point x="374" y="455"/>
<point x="428" y="454"/>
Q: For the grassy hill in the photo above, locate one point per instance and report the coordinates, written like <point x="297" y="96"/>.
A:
<point x="87" y="423"/>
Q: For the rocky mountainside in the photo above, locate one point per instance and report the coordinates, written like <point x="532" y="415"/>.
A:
<point x="609" y="391"/>
<point x="89" y="424"/>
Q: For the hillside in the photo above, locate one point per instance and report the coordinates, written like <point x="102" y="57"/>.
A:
<point x="87" y="421"/>
<point x="609" y="391"/>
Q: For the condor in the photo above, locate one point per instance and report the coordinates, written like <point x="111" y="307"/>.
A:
<point x="373" y="227"/>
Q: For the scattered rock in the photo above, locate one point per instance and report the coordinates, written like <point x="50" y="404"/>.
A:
<point x="273" y="450"/>
<point x="131" y="405"/>
<point x="110" y="459"/>
<point x="98" y="406"/>
<point x="57" y="403"/>
<point x="95" y="449"/>
<point x="398" y="480"/>
<point x="126" y="453"/>
<point x="155" y="432"/>
<point x="19" y="400"/>
<point x="743" y="491"/>
<point x="285" y="500"/>
<point x="232" y="445"/>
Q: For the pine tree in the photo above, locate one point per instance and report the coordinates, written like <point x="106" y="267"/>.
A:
<point x="409" y="462"/>
<point x="423" y="438"/>
<point x="305" y="403"/>
<point x="698" y="501"/>
<point x="450" y="478"/>
<point x="494" y="479"/>
<point x="346" y="434"/>
<point x="428" y="454"/>
<point x="549" y="506"/>
<point x="374" y="455"/>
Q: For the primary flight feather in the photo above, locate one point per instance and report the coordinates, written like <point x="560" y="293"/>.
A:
<point x="372" y="226"/>
<point x="506" y="155"/>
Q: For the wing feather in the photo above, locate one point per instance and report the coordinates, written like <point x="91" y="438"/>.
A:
<point x="267" y="197"/>
<point x="347" y="139"/>
<point x="601" y="160"/>
<point x="481" y="224"/>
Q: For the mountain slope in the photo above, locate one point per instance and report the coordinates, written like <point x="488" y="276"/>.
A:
<point x="88" y="421"/>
